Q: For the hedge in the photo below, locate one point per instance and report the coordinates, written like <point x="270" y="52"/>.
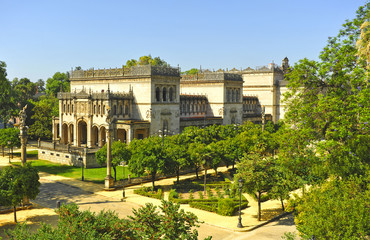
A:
<point x="147" y="192"/>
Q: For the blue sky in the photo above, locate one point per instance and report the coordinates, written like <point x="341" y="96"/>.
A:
<point x="39" y="38"/>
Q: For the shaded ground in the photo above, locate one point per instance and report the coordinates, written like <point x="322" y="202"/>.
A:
<point x="90" y="196"/>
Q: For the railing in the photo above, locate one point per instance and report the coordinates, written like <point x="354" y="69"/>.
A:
<point x="212" y="76"/>
<point x="126" y="71"/>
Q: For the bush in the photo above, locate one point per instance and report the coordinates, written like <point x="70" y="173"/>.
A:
<point x="173" y="195"/>
<point x="207" y="206"/>
<point x="226" y="207"/>
<point x="147" y="192"/>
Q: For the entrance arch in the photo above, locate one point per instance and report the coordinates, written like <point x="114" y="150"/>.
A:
<point x="95" y="136"/>
<point x="102" y="136"/>
<point x="82" y="133"/>
<point x="64" y="133"/>
<point x="121" y="135"/>
<point x="70" y="136"/>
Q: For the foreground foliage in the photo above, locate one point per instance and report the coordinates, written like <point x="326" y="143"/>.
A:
<point x="146" y="223"/>
<point x="328" y="111"/>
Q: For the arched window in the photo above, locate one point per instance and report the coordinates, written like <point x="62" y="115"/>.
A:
<point x="103" y="109"/>
<point x="157" y="94"/>
<point x="171" y="94"/>
<point x="228" y="95"/>
<point x="188" y="107"/>
<point x="99" y="109"/>
<point x="64" y="108"/>
<point x="127" y="109"/>
<point x="114" y="109"/>
<point x="232" y="96"/>
<point x="72" y="108"/>
<point x="121" y="109"/>
<point x="68" y="108"/>
<point x="94" y="109"/>
<point x="164" y="97"/>
<point x="237" y="96"/>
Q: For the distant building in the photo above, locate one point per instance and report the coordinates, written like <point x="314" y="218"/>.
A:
<point x="149" y="100"/>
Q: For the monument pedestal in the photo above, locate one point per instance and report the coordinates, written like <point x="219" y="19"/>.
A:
<point x="108" y="183"/>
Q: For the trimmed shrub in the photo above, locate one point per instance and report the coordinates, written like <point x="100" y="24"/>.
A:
<point x="173" y="195"/>
<point x="226" y="207"/>
<point x="207" y="206"/>
<point x="147" y="192"/>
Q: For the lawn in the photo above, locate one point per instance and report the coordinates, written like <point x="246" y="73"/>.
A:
<point x="96" y="175"/>
<point x="30" y="154"/>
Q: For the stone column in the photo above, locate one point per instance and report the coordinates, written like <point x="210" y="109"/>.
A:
<point x="23" y="134"/>
<point x="109" y="178"/>
<point x="23" y="137"/>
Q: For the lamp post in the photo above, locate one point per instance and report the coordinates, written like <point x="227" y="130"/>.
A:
<point x="240" y="181"/>
<point x="9" y="142"/>
<point x="123" y="182"/>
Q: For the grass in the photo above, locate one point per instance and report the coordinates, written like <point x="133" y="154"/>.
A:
<point x="96" y="175"/>
<point x="30" y="154"/>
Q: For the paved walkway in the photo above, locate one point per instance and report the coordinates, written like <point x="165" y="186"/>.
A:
<point x="91" y="196"/>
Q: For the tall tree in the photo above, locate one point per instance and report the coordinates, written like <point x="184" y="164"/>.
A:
<point x="258" y="175"/>
<point x="43" y="112"/>
<point x="58" y="83"/>
<point x="7" y="105"/>
<point x="148" y="155"/>
<point x="328" y="105"/>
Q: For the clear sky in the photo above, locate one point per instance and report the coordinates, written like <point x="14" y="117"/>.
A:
<point x="39" y="38"/>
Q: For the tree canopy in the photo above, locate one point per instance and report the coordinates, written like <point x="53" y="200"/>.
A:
<point x="58" y="83"/>
<point x="146" y="60"/>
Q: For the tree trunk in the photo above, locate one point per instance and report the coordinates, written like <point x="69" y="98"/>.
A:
<point x="115" y="174"/>
<point x="196" y="172"/>
<point x="205" y="180"/>
<point x="178" y="176"/>
<point x="15" y="214"/>
<point x="282" y="204"/>
<point x="12" y="152"/>
<point x="259" y="206"/>
<point x="2" y="148"/>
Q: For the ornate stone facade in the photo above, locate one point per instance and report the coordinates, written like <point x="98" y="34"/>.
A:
<point x="146" y="100"/>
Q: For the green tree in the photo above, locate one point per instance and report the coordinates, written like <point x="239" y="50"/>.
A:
<point x="257" y="174"/>
<point x="120" y="154"/>
<point x="9" y="137"/>
<point x="7" y="105"/>
<point x="43" y="113"/>
<point x="177" y="154"/>
<point x="338" y="209"/>
<point x="18" y="183"/>
<point x="58" y="83"/>
<point x="40" y="85"/>
<point x="148" y="155"/>
<point x="146" y="223"/>
<point x="24" y="90"/>
<point x="328" y="102"/>
<point x="192" y="71"/>
<point x="171" y="223"/>
<point x="146" y="60"/>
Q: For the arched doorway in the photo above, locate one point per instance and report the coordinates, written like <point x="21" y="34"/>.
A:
<point x="70" y="136"/>
<point x="82" y="133"/>
<point x="95" y="136"/>
<point x="64" y="133"/>
<point x="121" y="135"/>
<point x="102" y="138"/>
